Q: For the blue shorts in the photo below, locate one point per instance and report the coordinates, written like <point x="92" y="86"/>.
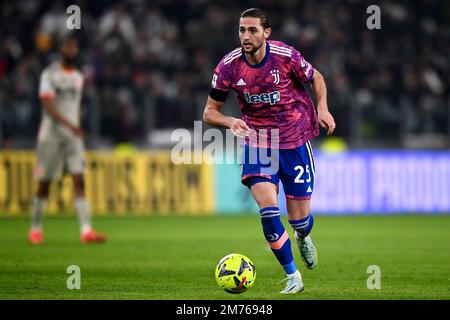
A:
<point x="294" y="167"/>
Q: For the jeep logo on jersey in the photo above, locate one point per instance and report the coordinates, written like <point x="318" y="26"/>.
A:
<point x="272" y="97"/>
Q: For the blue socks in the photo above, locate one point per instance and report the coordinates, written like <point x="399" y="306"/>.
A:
<point x="278" y="238"/>
<point x="303" y="226"/>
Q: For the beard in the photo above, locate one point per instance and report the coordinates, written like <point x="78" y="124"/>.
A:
<point x="253" y="48"/>
<point x="70" y="61"/>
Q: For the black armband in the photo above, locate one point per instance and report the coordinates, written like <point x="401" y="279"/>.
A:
<point x="218" y="95"/>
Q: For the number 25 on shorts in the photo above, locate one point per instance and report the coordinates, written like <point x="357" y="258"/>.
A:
<point x="298" y="178"/>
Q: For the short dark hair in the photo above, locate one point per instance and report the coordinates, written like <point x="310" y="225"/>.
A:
<point x="257" y="13"/>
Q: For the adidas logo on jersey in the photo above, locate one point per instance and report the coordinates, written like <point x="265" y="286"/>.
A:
<point x="241" y="82"/>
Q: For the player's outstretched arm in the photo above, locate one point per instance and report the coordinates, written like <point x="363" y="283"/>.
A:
<point x="48" y="106"/>
<point x="213" y="117"/>
<point x="319" y="89"/>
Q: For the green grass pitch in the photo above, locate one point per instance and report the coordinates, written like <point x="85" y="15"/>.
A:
<point x="174" y="258"/>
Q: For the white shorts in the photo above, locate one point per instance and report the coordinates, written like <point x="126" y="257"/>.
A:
<point x="56" y="156"/>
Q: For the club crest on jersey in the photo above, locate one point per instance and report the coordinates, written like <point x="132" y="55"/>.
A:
<point x="276" y="76"/>
<point x="271" y="97"/>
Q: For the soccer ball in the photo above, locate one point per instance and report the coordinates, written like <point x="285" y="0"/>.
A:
<point x="235" y="273"/>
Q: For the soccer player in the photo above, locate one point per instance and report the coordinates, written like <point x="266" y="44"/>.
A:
<point x="60" y="146"/>
<point x="268" y="77"/>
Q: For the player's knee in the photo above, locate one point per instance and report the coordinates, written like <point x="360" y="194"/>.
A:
<point x="43" y="189"/>
<point x="303" y="212"/>
<point x="265" y="195"/>
<point x="78" y="183"/>
<point x="265" y="202"/>
<point x="298" y="209"/>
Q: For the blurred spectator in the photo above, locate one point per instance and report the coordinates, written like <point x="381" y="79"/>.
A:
<point x="148" y="64"/>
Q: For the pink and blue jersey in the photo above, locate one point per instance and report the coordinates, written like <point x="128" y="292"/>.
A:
<point x="271" y="94"/>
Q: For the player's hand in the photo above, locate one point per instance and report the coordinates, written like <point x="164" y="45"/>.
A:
<point x="326" y="120"/>
<point x="78" y="132"/>
<point x="239" y="128"/>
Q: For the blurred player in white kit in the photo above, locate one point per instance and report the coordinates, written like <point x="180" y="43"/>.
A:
<point x="60" y="145"/>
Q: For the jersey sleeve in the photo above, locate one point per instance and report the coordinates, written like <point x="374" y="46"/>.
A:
<point x="220" y="83"/>
<point x="301" y="68"/>
<point x="46" y="89"/>
<point x="220" y="79"/>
